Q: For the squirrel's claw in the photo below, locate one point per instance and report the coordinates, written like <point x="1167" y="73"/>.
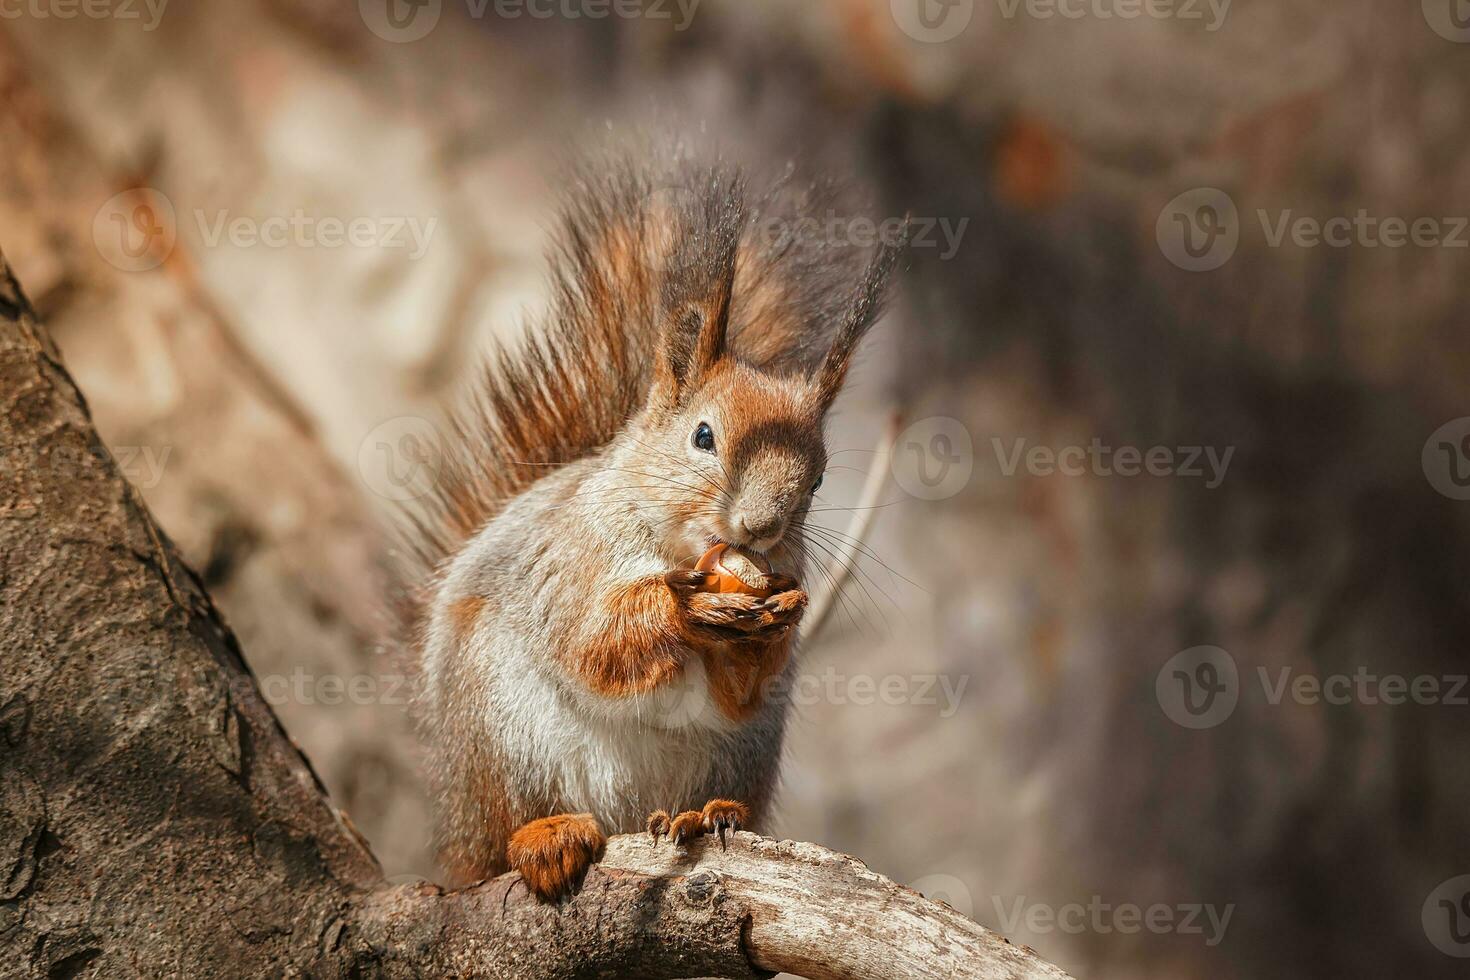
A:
<point x="658" y="825"/>
<point x="686" y="826"/>
<point x="721" y="815"/>
<point x="687" y="581"/>
<point x="778" y="583"/>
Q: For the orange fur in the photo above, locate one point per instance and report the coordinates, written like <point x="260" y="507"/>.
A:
<point x="718" y="815"/>
<point x="686" y="826"/>
<point x="478" y="855"/>
<point x="738" y="673"/>
<point x="464" y="613"/>
<point x="552" y="854"/>
<point x="641" y="645"/>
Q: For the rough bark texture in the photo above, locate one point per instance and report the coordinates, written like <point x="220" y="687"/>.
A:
<point x="156" y="820"/>
<point x="154" y="816"/>
<point x="826" y="916"/>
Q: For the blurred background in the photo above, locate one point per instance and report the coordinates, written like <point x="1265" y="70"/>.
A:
<point x="1155" y="659"/>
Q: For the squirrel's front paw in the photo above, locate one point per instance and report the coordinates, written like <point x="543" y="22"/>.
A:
<point x="553" y="854"/>
<point x="685" y="582"/>
<point x="735" y="616"/>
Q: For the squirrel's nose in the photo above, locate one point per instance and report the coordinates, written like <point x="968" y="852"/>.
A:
<point x="762" y="527"/>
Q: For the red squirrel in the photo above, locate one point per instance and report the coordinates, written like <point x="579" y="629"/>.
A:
<point x="578" y="676"/>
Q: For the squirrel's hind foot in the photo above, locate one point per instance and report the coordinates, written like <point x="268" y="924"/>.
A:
<point x="717" y="817"/>
<point x="686" y="826"/>
<point x="552" y="854"/>
<point x="658" y="824"/>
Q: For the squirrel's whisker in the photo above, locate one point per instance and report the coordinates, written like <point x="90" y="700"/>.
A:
<point x="841" y="537"/>
<point x="838" y="590"/>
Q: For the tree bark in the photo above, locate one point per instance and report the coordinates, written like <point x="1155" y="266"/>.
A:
<point x="155" y="819"/>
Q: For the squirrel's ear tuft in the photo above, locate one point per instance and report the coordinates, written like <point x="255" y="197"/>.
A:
<point x="867" y="305"/>
<point x="698" y="285"/>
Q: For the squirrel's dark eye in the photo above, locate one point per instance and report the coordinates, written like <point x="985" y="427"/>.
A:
<point x="704" y="438"/>
<point x="818" y="485"/>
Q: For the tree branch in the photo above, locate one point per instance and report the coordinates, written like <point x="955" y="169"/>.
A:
<point x="156" y="820"/>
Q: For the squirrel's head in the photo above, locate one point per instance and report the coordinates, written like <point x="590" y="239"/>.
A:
<point x="734" y="450"/>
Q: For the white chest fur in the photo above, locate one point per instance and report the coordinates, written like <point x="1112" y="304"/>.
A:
<point x="617" y="758"/>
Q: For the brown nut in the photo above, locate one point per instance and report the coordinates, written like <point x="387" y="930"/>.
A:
<point x="736" y="570"/>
